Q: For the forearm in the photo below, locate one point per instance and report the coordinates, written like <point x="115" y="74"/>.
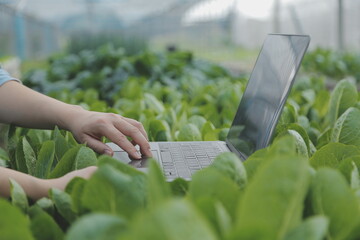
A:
<point x="26" y="108"/>
<point x="35" y="188"/>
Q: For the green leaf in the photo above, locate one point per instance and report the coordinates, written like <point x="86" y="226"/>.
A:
<point x="66" y="163"/>
<point x="332" y="154"/>
<point x="112" y="191"/>
<point x="211" y="183"/>
<point x="253" y="162"/>
<point x="355" y="177"/>
<point x="46" y="204"/>
<point x="70" y="139"/>
<point x="85" y="157"/>
<point x="159" y="130"/>
<point x="189" y="132"/>
<point x="223" y="220"/>
<point x="332" y="197"/>
<point x="13" y="224"/>
<point x="36" y="137"/>
<point x="63" y="204"/>
<point x="30" y="157"/>
<point x="120" y="166"/>
<point x="346" y="166"/>
<point x="321" y="103"/>
<point x="324" y="138"/>
<point x="43" y="226"/>
<point x="173" y="220"/>
<point x="18" y="196"/>
<point x="272" y="204"/>
<point x="61" y="145"/>
<point x="343" y="96"/>
<point x="347" y="128"/>
<point x="153" y="103"/>
<point x="284" y="145"/>
<point x="4" y="157"/>
<point x="232" y="167"/>
<point x="75" y="188"/>
<point x="210" y="187"/>
<point x="157" y="189"/>
<point x="301" y="147"/>
<point x="198" y="121"/>
<point x="179" y="187"/>
<point x="288" y="116"/>
<point x="20" y="157"/>
<point x="208" y="127"/>
<point x="97" y="226"/>
<point x="313" y="228"/>
<point x="45" y="159"/>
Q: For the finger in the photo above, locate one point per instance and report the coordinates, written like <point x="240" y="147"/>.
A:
<point x="137" y="137"/>
<point x="98" y="146"/>
<point x="137" y="125"/>
<point x="118" y="137"/>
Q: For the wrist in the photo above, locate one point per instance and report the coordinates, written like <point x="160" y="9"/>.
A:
<point x="69" y="116"/>
<point x="39" y="188"/>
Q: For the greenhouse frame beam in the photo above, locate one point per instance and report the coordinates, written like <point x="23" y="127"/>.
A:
<point x="340" y="25"/>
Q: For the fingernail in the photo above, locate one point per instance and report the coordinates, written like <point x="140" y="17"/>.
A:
<point x="137" y="155"/>
<point x="108" y="152"/>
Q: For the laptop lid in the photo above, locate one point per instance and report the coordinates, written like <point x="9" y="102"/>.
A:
<point x="266" y="93"/>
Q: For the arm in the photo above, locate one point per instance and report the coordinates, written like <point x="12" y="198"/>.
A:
<point x="37" y="188"/>
<point x="24" y="107"/>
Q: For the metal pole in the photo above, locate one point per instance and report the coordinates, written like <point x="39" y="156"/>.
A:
<point x="341" y="35"/>
<point x="296" y="20"/>
<point x="276" y="17"/>
<point x="20" y="35"/>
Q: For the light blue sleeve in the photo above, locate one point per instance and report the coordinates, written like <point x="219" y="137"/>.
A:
<point x="5" y="76"/>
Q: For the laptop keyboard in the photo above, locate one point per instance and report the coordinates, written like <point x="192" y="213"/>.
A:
<point x="184" y="159"/>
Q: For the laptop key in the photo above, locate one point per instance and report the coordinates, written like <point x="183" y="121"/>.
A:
<point x="166" y="157"/>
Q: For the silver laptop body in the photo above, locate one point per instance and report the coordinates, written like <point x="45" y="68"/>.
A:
<point x="256" y="117"/>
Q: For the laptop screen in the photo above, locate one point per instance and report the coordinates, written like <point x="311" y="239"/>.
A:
<point x="266" y="92"/>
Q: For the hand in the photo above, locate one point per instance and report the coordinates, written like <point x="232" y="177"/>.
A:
<point x="61" y="182"/>
<point x="89" y="127"/>
<point x="37" y="188"/>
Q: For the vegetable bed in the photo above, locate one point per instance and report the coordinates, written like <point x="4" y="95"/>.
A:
<point x="305" y="185"/>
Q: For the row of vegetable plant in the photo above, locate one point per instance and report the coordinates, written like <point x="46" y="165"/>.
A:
<point x="305" y="185"/>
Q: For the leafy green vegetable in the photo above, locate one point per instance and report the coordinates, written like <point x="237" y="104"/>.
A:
<point x="63" y="204"/>
<point x="344" y="96"/>
<point x="66" y="163"/>
<point x="111" y="191"/>
<point x="189" y="132"/>
<point x="273" y="202"/>
<point x="97" y="226"/>
<point x="20" y="158"/>
<point x="332" y="197"/>
<point x="43" y="225"/>
<point x="313" y="228"/>
<point x="157" y="189"/>
<point x="85" y="157"/>
<point x="347" y="129"/>
<point x="45" y="159"/>
<point x="332" y="154"/>
<point x="156" y="224"/>
<point x="18" y="196"/>
<point x="13" y="224"/>
<point x="179" y="97"/>
<point x="231" y="166"/>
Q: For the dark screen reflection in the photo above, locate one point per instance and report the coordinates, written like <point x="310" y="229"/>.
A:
<point x="266" y="92"/>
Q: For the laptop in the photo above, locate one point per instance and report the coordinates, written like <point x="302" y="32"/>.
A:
<point x="254" y="123"/>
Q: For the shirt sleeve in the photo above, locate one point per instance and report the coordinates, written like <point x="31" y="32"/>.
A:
<point x="5" y="77"/>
